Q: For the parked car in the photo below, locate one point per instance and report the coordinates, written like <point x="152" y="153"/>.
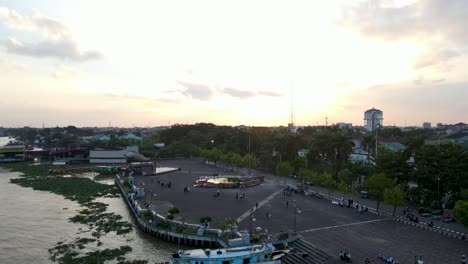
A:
<point x="364" y="194"/>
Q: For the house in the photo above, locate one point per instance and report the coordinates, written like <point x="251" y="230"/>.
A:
<point x="131" y="137"/>
<point x="102" y="138"/>
<point x="394" y="146"/>
<point x="159" y="145"/>
<point x="115" y="156"/>
<point x="360" y="155"/>
<point x="302" y="152"/>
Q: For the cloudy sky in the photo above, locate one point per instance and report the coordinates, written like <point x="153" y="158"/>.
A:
<point x="150" y="63"/>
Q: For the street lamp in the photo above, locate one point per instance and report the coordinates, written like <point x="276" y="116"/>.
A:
<point x="438" y="193"/>
<point x="252" y="219"/>
<point x="296" y="211"/>
<point x="376" y="139"/>
<point x="249" y="152"/>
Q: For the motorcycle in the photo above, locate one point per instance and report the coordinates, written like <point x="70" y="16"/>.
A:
<point x="387" y="259"/>
<point x="345" y="256"/>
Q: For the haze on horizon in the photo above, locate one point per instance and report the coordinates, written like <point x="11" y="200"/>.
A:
<point x="148" y="63"/>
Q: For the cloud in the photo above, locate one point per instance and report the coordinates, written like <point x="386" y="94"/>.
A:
<point x="64" y="72"/>
<point x="58" y="40"/>
<point x="436" y="100"/>
<point x="441" y="25"/>
<point x="204" y="92"/>
<point x="242" y="94"/>
<point x="440" y="56"/>
<point x="238" y="93"/>
<point x="269" y="93"/>
<point x="145" y="99"/>
<point x="197" y="91"/>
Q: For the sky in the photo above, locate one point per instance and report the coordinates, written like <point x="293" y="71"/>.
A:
<point x="152" y="63"/>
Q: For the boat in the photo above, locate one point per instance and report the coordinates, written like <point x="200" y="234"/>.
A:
<point x="107" y="169"/>
<point x="263" y="254"/>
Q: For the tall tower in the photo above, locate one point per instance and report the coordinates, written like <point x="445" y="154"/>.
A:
<point x="291" y="114"/>
<point x="373" y="118"/>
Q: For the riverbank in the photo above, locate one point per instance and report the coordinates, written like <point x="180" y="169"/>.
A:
<point x="87" y="246"/>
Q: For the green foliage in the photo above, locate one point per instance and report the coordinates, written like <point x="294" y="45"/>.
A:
<point x="460" y="212"/>
<point x="441" y="169"/>
<point x="394" y="196"/>
<point x="82" y="190"/>
<point x="173" y="211"/>
<point x="228" y="224"/>
<point x="377" y="183"/>
<point x="284" y="169"/>
<point x="94" y="215"/>
<point x="204" y="219"/>
<point x="116" y="142"/>
<point x="179" y="149"/>
<point x="29" y="170"/>
<point x="342" y="187"/>
<point x="393" y="164"/>
<point x="330" y="150"/>
<point x="66" y="254"/>
<point x="328" y="181"/>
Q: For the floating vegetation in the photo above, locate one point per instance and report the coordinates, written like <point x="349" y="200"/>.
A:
<point x="101" y="222"/>
<point x="93" y="214"/>
<point x="66" y="254"/>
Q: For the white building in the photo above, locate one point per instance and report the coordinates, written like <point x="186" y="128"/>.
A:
<point x="427" y="125"/>
<point x="117" y="156"/>
<point x="373" y="118"/>
<point x="344" y="125"/>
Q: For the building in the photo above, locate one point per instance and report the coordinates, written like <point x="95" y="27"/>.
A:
<point x="12" y="152"/>
<point x="115" y="156"/>
<point x="427" y="125"/>
<point x="373" y="118"/>
<point x="344" y="125"/>
<point x="394" y="146"/>
<point x="302" y="152"/>
<point x="131" y="137"/>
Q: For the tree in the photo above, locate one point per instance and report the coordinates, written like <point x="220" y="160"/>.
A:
<point x="394" y="196"/>
<point x="284" y="169"/>
<point x="172" y="212"/>
<point x="460" y="212"/>
<point x="440" y="170"/>
<point x="228" y="224"/>
<point x="205" y="219"/>
<point x="333" y="147"/>
<point x="328" y="181"/>
<point x="376" y="185"/>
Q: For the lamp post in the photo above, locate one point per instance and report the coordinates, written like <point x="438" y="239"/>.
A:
<point x="438" y="193"/>
<point x="249" y="152"/>
<point x="376" y="140"/>
<point x="252" y="219"/>
<point x="296" y="211"/>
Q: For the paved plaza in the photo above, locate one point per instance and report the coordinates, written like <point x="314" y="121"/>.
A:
<point x="329" y="227"/>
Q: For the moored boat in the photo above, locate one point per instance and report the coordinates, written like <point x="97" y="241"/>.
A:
<point x="263" y="254"/>
<point x="107" y="169"/>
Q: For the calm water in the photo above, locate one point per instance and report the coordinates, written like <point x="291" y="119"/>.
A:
<point x="31" y="222"/>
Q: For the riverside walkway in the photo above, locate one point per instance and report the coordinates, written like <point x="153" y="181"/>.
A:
<point x="328" y="227"/>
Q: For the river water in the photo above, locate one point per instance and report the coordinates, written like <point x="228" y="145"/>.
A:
<point x="32" y="221"/>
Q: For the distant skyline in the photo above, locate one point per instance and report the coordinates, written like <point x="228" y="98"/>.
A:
<point x="151" y="63"/>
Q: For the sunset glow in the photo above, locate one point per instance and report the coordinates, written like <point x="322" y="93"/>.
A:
<point x="230" y="62"/>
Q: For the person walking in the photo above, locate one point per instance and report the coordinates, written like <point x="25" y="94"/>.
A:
<point x="256" y="205"/>
<point x="287" y="203"/>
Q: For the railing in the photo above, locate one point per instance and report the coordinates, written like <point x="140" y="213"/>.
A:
<point x="209" y="234"/>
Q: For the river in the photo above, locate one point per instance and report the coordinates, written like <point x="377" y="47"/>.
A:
<point x="32" y="221"/>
